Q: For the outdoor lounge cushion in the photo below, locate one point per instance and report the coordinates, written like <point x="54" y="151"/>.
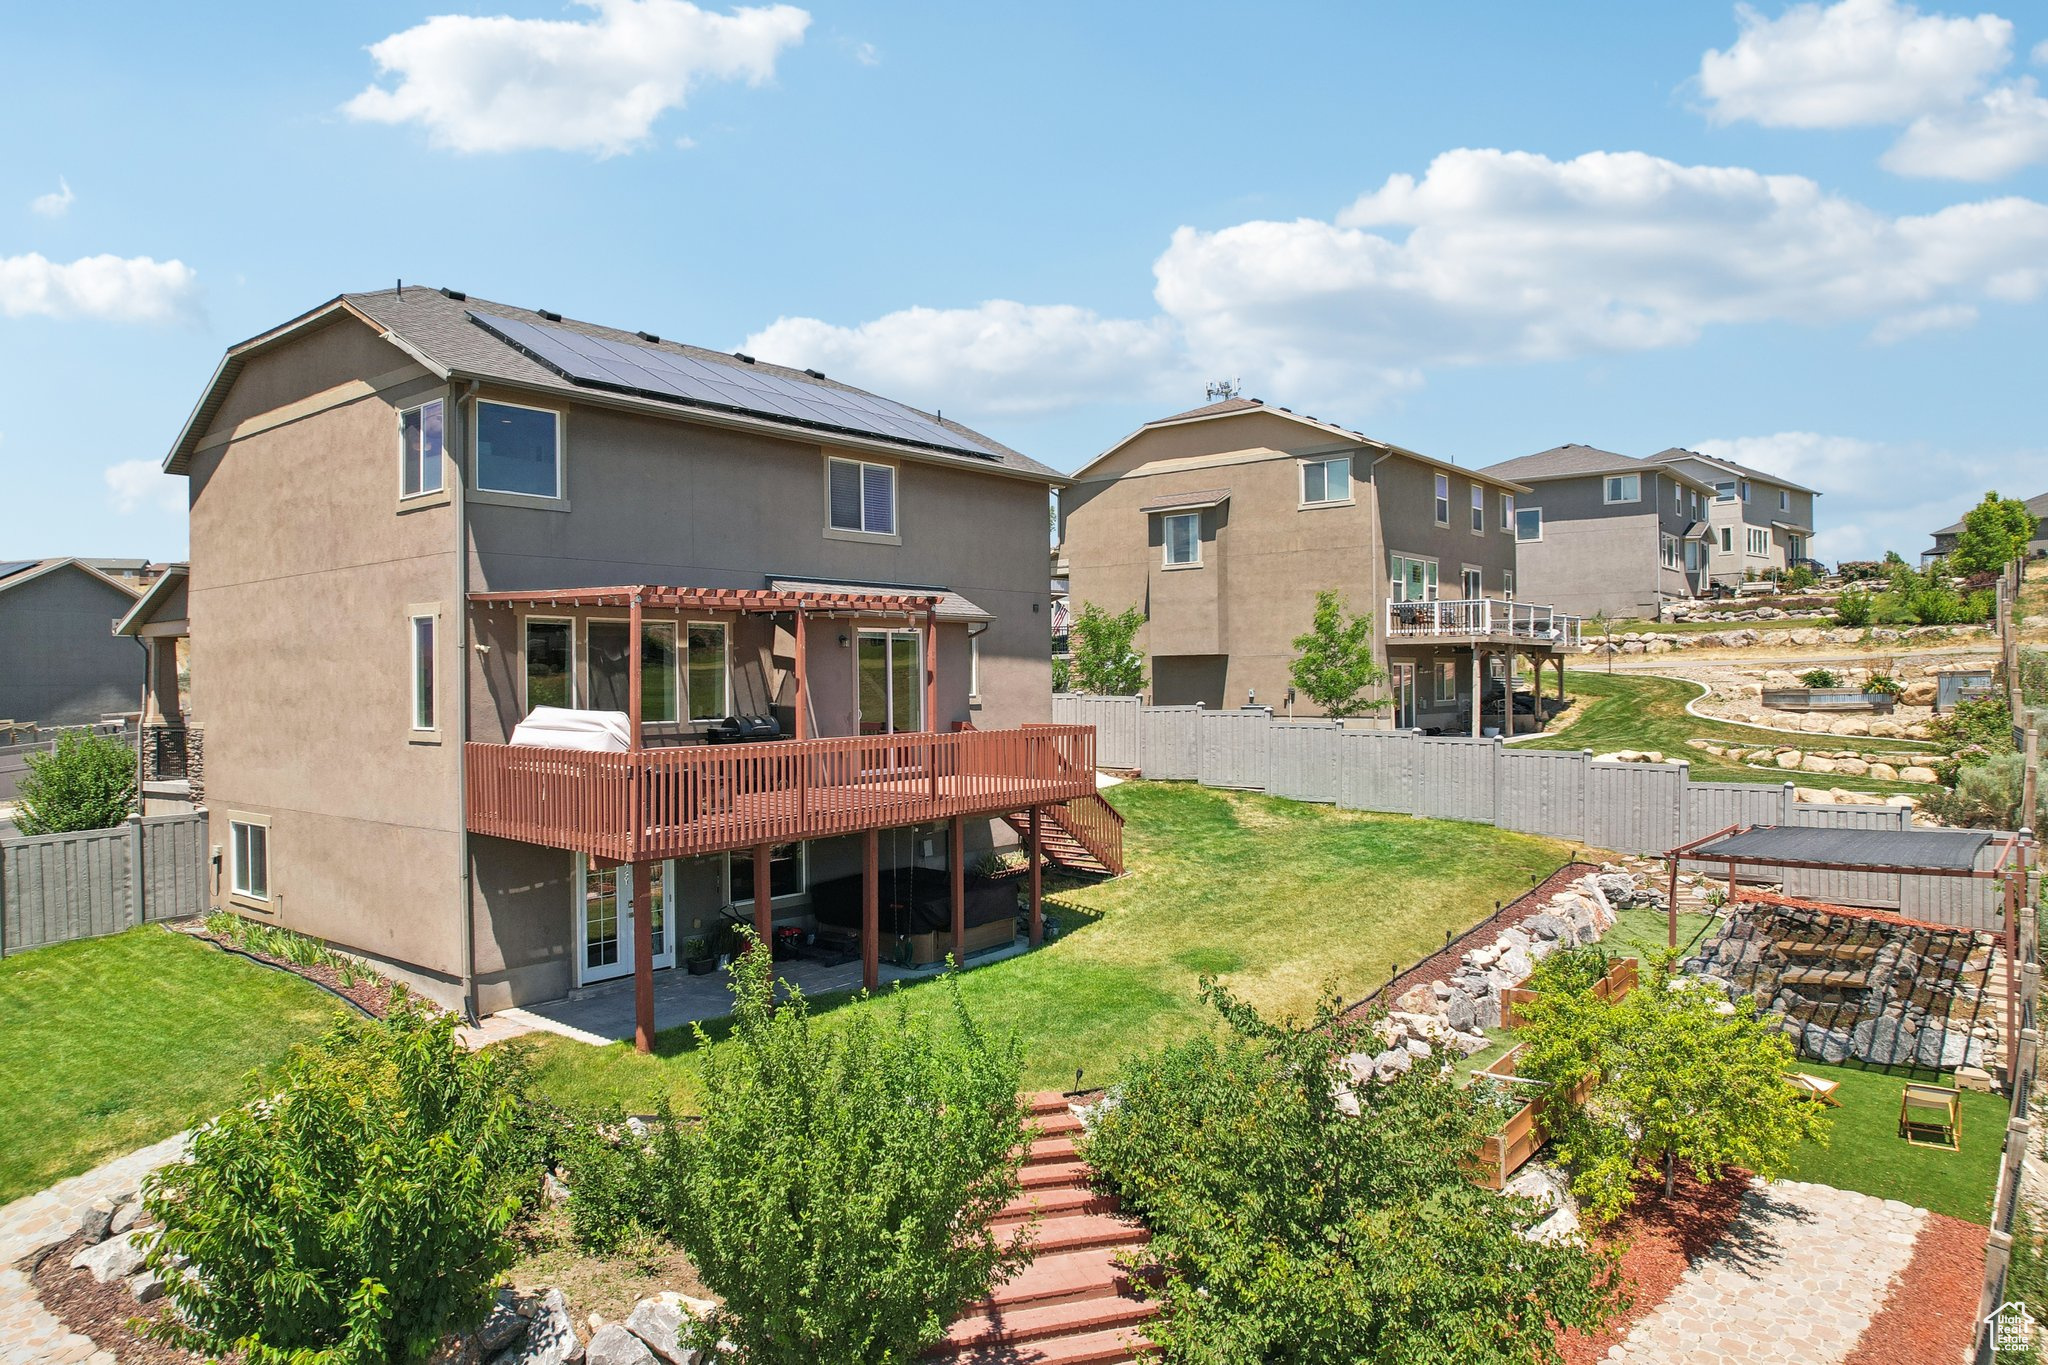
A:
<point x="925" y="894"/>
<point x="558" y="727"/>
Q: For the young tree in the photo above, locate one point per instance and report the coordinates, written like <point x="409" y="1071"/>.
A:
<point x="1301" y="1217"/>
<point x="1106" y="661"/>
<point x="841" y="1193"/>
<point x="1677" y="1075"/>
<point x="88" y="782"/>
<point x="1333" y="662"/>
<point x="1995" y="533"/>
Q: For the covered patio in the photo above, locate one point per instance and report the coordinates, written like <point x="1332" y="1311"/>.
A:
<point x="640" y="805"/>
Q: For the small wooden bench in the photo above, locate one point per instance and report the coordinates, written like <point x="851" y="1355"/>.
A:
<point x="1931" y="1116"/>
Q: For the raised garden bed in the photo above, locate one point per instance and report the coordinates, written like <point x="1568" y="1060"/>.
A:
<point x="1828" y="699"/>
<point x="1620" y="979"/>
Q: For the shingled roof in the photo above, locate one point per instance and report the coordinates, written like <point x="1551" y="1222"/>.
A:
<point x="1719" y="462"/>
<point x="434" y="327"/>
<point x="1577" y="461"/>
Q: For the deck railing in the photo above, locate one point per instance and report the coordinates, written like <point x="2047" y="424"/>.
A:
<point x="1483" y="617"/>
<point x="668" y="803"/>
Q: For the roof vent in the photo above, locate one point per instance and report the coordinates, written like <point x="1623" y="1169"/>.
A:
<point x="743" y="357"/>
<point x="455" y="294"/>
<point x="551" y="317"/>
<point x="647" y="336"/>
<point x="1287" y="409"/>
<point x="815" y="374"/>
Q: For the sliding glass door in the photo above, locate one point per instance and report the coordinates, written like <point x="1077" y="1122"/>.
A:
<point x="891" y="682"/>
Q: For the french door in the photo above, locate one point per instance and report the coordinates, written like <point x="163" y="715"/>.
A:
<point x="1404" y="695"/>
<point x="890" y="684"/>
<point x="604" y="920"/>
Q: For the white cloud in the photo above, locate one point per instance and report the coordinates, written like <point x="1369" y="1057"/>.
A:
<point x="1945" y="318"/>
<point x="56" y="203"/>
<point x="999" y="357"/>
<point x="1878" y="495"/>
<point x="2004" y="131"/>
<point x="867" y="54"/>
<point x="136" y="485"/>
<point x="1849" y="64"/>
<point x="106" y="288"/>
<point x="498" y="84"/>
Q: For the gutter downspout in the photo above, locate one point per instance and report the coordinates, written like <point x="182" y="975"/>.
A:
<point x="464" y="405"/>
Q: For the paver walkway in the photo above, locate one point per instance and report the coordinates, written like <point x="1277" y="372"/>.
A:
<point x="1800" y="1274"/>
<point x="28" y="1334"/>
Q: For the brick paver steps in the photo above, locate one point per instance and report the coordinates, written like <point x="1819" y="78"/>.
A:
<point x="1073" y="1305"/>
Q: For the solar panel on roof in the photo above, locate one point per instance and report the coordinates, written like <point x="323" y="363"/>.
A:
<point x="624" y="367"/>
<point x="10" y="569"/>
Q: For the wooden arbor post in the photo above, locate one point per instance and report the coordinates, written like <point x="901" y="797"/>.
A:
<point x="643" y="901"/>
<point x="931" y="671"/>
<point x="803" y="700"/>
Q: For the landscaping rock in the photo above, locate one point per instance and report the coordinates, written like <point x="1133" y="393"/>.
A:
<point x="614" y="1345"/>
<point x="1918" y="774"/>
<point x="1395" y="1061"/>
<point x="660" y="1326"/>
<point x="1790" y="758"/>
<point x="1544" y="925"/>
<point x="97" y="1221"/>
<point x="502" y="1326"/>
<point x="146" y="1287"/>
<point x="1974" y="1078"/>
<point x="114" y="1259"/>
<point x="550" y="1336"/>
<point x="1883" y="772"/>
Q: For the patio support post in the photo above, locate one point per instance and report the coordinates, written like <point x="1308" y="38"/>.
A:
<point x="803" y="700"/>
<point x="1560" y="677"/>
<point x="1478" y="665"/>
<point x="870" y="912"/>
<point x="1037" y="861"/>
<point x="636" y="834"/>
<point x="764" y="909"/>
<point x="956" y="868"/>
<point x="1671" y="905"/>
<point x="931" y="671"/>
<point x="1507" y="700"/>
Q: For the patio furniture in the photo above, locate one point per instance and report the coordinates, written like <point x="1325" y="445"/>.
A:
<point x="1931" y="1116"/>
<point x="1819" y="1087"/>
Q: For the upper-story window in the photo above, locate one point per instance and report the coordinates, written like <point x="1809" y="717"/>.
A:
<point x="1478" y="510"/>
<point x="861" y="497"/>
<point x="1624" y="488"/>
<point x="1784" y="501"/>
<point x="1528" y="523"/>
<point x="1507" y="511"/>
<point x="1443" y="500"/>
<point x="1724" y="490"/>
<point x="1326" y="480"/>
<point x="1744" y="486"/>
<point x="518" y="450"/>
<point x="1182" y="532"/>
<point x="419" y="450"/>
<point x="1471" y="583"/>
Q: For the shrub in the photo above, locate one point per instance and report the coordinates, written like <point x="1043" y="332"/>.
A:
<point x="1853" y="608"/>
<point x="1884" y="685"/>
<point x="1106" y="660"/>
<point x="1987" y="795"/>
<point x="1984" y="724"/>
<point x="1333" y="663"/>
<point x="1800" y="577"/>
<point x="1820" y="677"/>
<point x="1062" y="675"/>
<point x="86" y="782"/>
<point x="841" y="1191"/>
<point x="1300" y="1219"/>
<point x="1679" y="1076"/>
<point x="1859" y="570"/>
<point x="1995" y="533"/>
<point x="356" y="1211"/>
<point x="624" y="1186"/>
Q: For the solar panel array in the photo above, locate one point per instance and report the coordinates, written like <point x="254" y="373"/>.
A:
<point x="10" y="569"/>
<point x="626" y="367"/>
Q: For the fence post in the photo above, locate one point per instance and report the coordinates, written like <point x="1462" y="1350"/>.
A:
<point x="138" y="910"/>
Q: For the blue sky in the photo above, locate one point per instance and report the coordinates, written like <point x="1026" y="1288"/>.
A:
<point x="1814" y="237"/>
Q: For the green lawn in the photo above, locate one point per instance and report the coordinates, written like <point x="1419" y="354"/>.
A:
<point x="112" y="1043"/>
<point x="1637" y="711"/>
<point x="1279" y="898"/>
<point x="1865" y="1152"/>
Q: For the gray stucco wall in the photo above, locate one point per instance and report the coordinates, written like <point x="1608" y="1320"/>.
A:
<point x="1594" y="556"/>
<point x="60" y="661"/>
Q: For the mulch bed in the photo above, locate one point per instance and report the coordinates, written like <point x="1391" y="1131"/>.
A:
<point x="1442" y="965"/>
<point x="101" y="1311"/>
<point x="370" y="992"/>
<point x="1932" y="1311"/>
<point x="1659" y="1238"/>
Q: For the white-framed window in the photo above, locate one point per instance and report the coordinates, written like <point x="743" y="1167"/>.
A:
<point x="1724" y="490"/>
<point x="420" y="432"/>
<point x="1727" y="540"/>
<point x="422" y="629"/>
<point x="1669" y="547"/>
<point x="860" y="497"/>
<point x="249" y="859"/>
<point x="1326" y="480"/>
<point x="609" y="651"/>
<point x="1507" y="511"/>
<point x="1182" y="533"/>
<point x="1414" y="578"/>
<point x="1443" y="500"/>
<point x="1446" y="677"/>
<point x="1759" y="541"/>
<point x="1784" y="501"/>
<point x="1692" y="555"/>
<point x="1678" y="497"/>
<point x="788" y="873"/>
<point x="1528" y="523"/>
<point x="1507" y="584"/>
<point x="1624" y="488"/>
<point x="550" y="653"/>
<point x="518" y="450"/>
<point x="709" y="665"/>
<point x="1478" y="510"/>
<point x="1744" y="487"/>
<point x="1471" y="583"/>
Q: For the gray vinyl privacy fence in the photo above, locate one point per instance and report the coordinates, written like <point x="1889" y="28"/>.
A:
<point x="58" y="887"/>
<point x="1639" y="808"/>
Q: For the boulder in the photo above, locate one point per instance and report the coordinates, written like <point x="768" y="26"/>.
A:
<point x="550" y="1336"/>
<point x="114" y="1259"/>
<point x="1417" y="1048"/>
<point x="1790" y="758"/>
<point x="1920" y="693"/>
<point x="1918" y="774"/>
<point x="97" y="1221"/>
<point x="1391" y="1063"/>
<point x="1806" y="635"/>
<point x="502" y="1326"/>
<point x="1850" y="725"/>
<point x="1416" y="1000"/>
<point x="1854" y="767"/>
<point x="1459" y="1013"/>
<point x="1883" y="772"/>
<point x="614" y="1345"/>
<point x="1814" y="763"/>
<point x="126" y="1217"/>
<point x="659" y="1323"/>
<point x="1828" y="1044"/>
<point x="146" y="1287"/>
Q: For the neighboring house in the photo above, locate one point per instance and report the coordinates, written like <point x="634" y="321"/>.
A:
<point x="1763" y="523"/>
<point x="1601" y="533"/>
<point x="59" y="661"/>
<point x="170" y="738"/>
<point x="1945" y="538"/>
<point x="1223" y="522"/>
<point x="416" y="517"/>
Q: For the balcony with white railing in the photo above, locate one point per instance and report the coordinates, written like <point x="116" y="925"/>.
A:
<point x="1484" y="620"/>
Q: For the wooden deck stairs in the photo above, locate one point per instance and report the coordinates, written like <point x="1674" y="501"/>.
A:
<point x="1083" y="835"/>
<point x="1072" y="1305"/>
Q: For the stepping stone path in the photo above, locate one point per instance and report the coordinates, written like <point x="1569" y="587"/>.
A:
<point x="1800" y="1274"/>
<point x="30" y="1335"/>
<point x="1072" y="1305"/>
